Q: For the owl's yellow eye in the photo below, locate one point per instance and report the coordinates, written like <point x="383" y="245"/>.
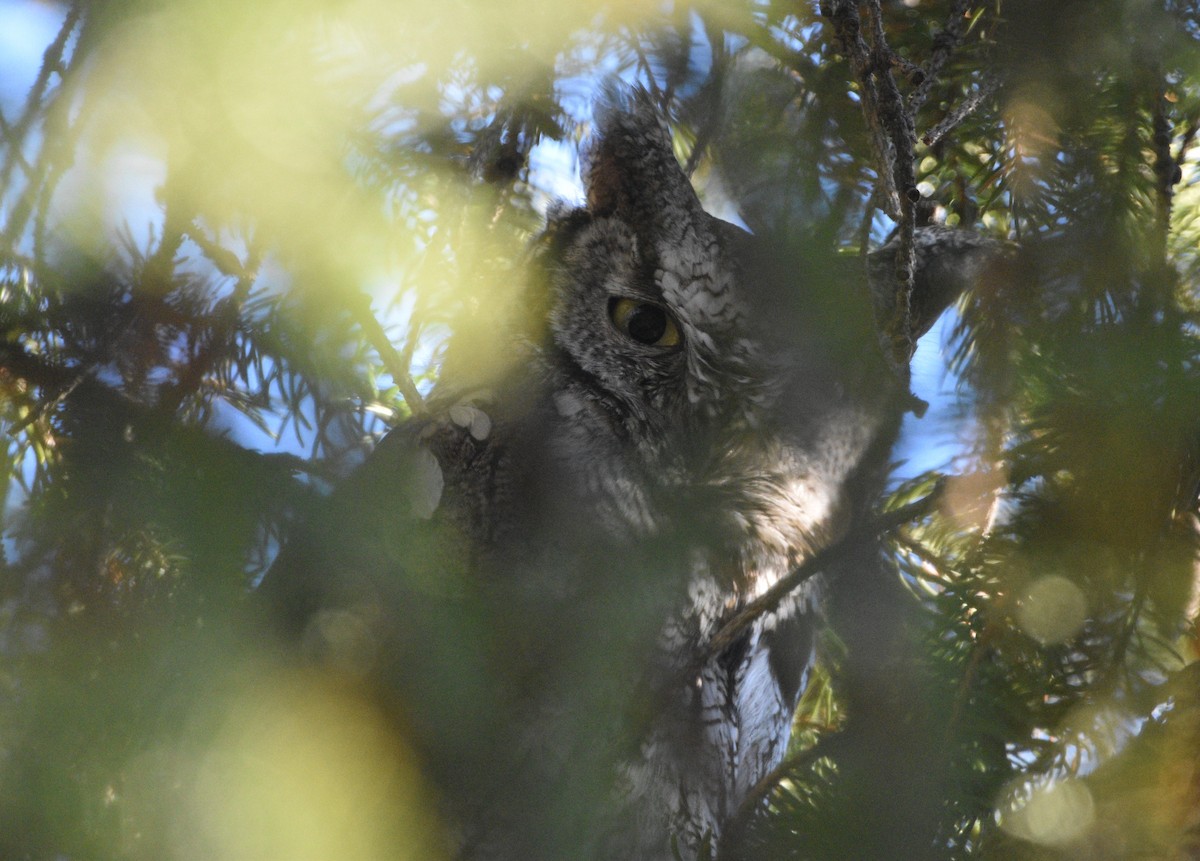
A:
<point x="644" y="322"/>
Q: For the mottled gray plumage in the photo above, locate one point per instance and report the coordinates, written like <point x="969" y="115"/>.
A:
<point x="646" y="470"/>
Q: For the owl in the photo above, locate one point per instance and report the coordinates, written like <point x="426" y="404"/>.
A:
<point x="531" y="573"/>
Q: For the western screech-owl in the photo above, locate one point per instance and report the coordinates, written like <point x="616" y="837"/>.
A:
<point x="531" y="573"/>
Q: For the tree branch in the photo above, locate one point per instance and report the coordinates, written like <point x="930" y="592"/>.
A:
<point x="847" y="28"/>
<point x="881" y="524"/>
<point x="893" y="133"/>
<point x="944" y="44"/>
<point x="826" y="746"/>
<point x="964" y="109"/>
<point x="17" y="132"/>
<point x="392" y="360"/>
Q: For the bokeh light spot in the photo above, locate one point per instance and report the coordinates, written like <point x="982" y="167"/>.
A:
<point x="1052" y="610"/>
<point x="1052" y="814"/>
<point x="303" y="767"/>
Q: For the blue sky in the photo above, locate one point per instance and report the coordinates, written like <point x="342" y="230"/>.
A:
<point x="26" y="28"/>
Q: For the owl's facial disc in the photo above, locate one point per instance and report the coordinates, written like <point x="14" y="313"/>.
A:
<point x="645" y="323"/>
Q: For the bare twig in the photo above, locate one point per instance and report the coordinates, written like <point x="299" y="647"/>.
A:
<point x="891" y="122"/>
<point x="392" y="360"/>
<point x="887" y="521"/>
<point x="13" y="141"/>
<point x="944" y="44"/>
<point x="894" y="116"/>
<point x="907" y="68"/>
<point x="769" y="600"/>
<point x="709" y="123"/>
<point x="52" y="62"/>
<point x="294" y="463"/>
<point x="964" y="109"/>
<point x="882" y="523"/>
<point x="866" y="223"/>
<point x="661" y="98"/>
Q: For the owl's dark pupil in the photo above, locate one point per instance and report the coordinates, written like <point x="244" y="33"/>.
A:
<point x="647" y="324"/>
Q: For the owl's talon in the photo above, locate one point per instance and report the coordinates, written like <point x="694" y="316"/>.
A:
<point x="473" y="419"/>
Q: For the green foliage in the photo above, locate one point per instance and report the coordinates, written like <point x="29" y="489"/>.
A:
<point x="336" y="186"/>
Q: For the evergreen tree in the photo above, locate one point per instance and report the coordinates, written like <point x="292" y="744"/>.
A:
<point x="234" y="237"/>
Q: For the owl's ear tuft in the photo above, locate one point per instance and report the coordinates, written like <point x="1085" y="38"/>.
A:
<point x="606" y="184"/>
<point x="630" y="167"/>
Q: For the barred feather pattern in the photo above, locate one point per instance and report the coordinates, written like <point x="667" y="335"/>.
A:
<point x="753" y="440"/>
<point x="734" y="426"/>
<point x="664" y="471"/>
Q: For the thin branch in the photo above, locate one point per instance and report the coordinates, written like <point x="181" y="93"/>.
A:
<point x="907" y="68"/>
<point x="887" y="521"/>
<point x="897" y="119"/>
<point x="963" y="110"/>
<point x="826" y="746"/>
<point x="225" y="260"/>
<point x="864" y="226"/>
<point x="704" y="133"/>
<point x="893" y="133"/>
<point x="661" y="98"/>
<point x="882" y="523"/>
<point x="944" y="44"/>
<point x="847" y="27"/>
<point x="51" y="62"/>
<point x="13" y="141"/>
<point x="894" y="115"/>
<point x="57" y="383"/>
<point x="712" y="118"/>
<point x="392" y="360"/>
<point x="1167" y="174"/>
<point x="769" y="600"/>
<point x="1189" y="137"/>
<point x="316" y="468"/>
<point x="1125" y="636"/>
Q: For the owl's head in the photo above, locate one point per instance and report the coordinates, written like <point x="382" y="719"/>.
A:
<point x="690" y="356"/>
<point x="683" y="327"/>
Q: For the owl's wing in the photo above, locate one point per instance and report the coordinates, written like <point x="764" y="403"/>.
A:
<point x="379" y="586"/>
<point x="336" y="549"/>
<point x="411" y="518"/>
<point x="414" y="579"/>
